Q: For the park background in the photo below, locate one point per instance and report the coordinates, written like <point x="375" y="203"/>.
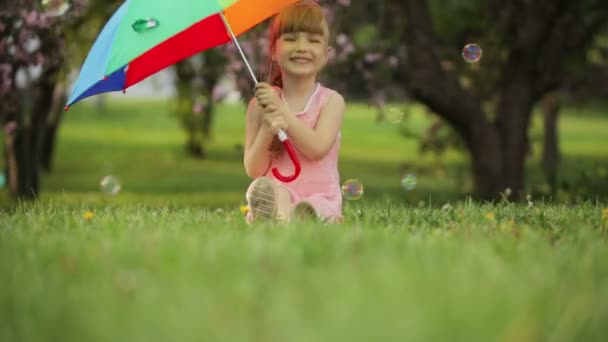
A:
<point x="503" y="235"/>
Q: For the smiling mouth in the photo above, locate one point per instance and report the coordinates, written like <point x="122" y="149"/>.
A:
<point x="300" y="60"/>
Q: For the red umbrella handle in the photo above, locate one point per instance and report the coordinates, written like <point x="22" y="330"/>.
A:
<point x="294" y="159"/>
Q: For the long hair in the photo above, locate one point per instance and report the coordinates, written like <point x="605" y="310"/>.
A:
<point x="303" y="16"/>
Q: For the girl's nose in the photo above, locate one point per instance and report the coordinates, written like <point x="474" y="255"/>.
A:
<point x="300" y="44"/>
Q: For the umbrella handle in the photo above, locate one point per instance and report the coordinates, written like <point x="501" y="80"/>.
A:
<point x="294" y="159"/>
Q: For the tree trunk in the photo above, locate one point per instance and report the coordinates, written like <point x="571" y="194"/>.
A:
<point x="486" y="161"/>
<point x="49" y="137"/>
<point x="185" y="102"/>
<point x="513" y="114"/>
<point x="213" y="68"/>
<point x="23" y="142"/>
<point x="22" y="176"/>
<point x="551" y="155"/>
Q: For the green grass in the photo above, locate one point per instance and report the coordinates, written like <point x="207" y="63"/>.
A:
<point x="141" y="273"/>
<point x="160" y="262"/>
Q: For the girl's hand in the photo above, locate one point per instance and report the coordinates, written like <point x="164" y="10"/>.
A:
<point x="274" y="118"/>
<point x="267" y="95"/>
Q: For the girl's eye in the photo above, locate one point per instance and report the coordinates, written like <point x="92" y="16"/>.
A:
<point x="289" y="38"/>
<point x="314" y="38"/>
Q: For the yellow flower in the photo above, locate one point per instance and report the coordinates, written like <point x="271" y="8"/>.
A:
<point x="244" y="209"/>
<point x="605" y="214"/>
<point x="88" y="215"/>
<point x="490" y="216"/>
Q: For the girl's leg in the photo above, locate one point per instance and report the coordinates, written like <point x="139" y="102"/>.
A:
<point x="284" y="203"/>
<point x="304" y="211"/>
<point x="327" y="209"/>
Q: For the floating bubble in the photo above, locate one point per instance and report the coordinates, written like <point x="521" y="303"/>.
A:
<point x="394" y="115"/>
<point x="2" y="180"/>
<point x="110" y="185"/>
<point x="55" y="8"/>
<point x="471" y="53"/>
<point x="352" y="190"/>
<point x="409" y="181"/>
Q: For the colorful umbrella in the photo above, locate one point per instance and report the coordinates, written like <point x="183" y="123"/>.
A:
<point x="146" y="36"/>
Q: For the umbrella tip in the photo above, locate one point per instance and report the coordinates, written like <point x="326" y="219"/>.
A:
<point x="124" y="91"/>
<point x="66" y="108"/>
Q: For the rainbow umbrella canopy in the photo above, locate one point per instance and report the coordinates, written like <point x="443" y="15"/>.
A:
<point x="146" y="36"/>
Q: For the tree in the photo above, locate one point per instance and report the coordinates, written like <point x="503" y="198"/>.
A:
<point x="531" y="44"/>
<point x="31" y="44"/>
<point x="196" y="80"/>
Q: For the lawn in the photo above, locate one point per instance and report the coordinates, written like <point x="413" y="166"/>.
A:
<point x="143" y="145"/>
<point x="465" y="272"/>
<point x="170" y="257"/>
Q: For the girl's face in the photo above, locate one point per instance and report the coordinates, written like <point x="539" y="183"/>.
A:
<point x="301" y="54"/>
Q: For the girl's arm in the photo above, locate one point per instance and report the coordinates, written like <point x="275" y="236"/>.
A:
<point x="258" y="138"/>
<point x="316" y="142"/>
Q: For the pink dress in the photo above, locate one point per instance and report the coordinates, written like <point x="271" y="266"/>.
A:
<point x="319" y="180"/>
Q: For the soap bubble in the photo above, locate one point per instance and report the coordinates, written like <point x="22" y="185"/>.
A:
<point x="352" y="189"/>
<point x="409" y="181"/>
<point x="110" y="185"/>
<point x="471" y="53"/>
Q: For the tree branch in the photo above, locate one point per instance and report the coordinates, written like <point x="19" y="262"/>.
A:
<point x="427" y="81"/>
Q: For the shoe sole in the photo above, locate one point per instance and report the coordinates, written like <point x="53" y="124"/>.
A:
<point x="264" y="199"/>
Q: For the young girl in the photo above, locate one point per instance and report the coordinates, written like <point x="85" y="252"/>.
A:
<point x="310" y="113"/>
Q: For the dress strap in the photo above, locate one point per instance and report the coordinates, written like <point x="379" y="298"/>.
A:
<point x="326" y="93"/>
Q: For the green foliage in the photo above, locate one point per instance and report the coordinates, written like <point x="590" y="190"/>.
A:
<point x="366" y="36"/>
<point x="455" y="18"/>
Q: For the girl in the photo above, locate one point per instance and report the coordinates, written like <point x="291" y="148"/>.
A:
<point x="310" y="113"/>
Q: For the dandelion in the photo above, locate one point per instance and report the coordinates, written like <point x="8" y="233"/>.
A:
<point x="88" y="216"/>
<point x="490" y="216"/>
<point x="244" y="209"/>
<point x="508" y="192"/>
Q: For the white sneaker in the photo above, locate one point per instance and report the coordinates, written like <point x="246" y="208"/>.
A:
<point x="262" y="198"/>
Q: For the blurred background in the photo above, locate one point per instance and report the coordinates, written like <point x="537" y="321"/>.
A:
<point x="446" y="99"/>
